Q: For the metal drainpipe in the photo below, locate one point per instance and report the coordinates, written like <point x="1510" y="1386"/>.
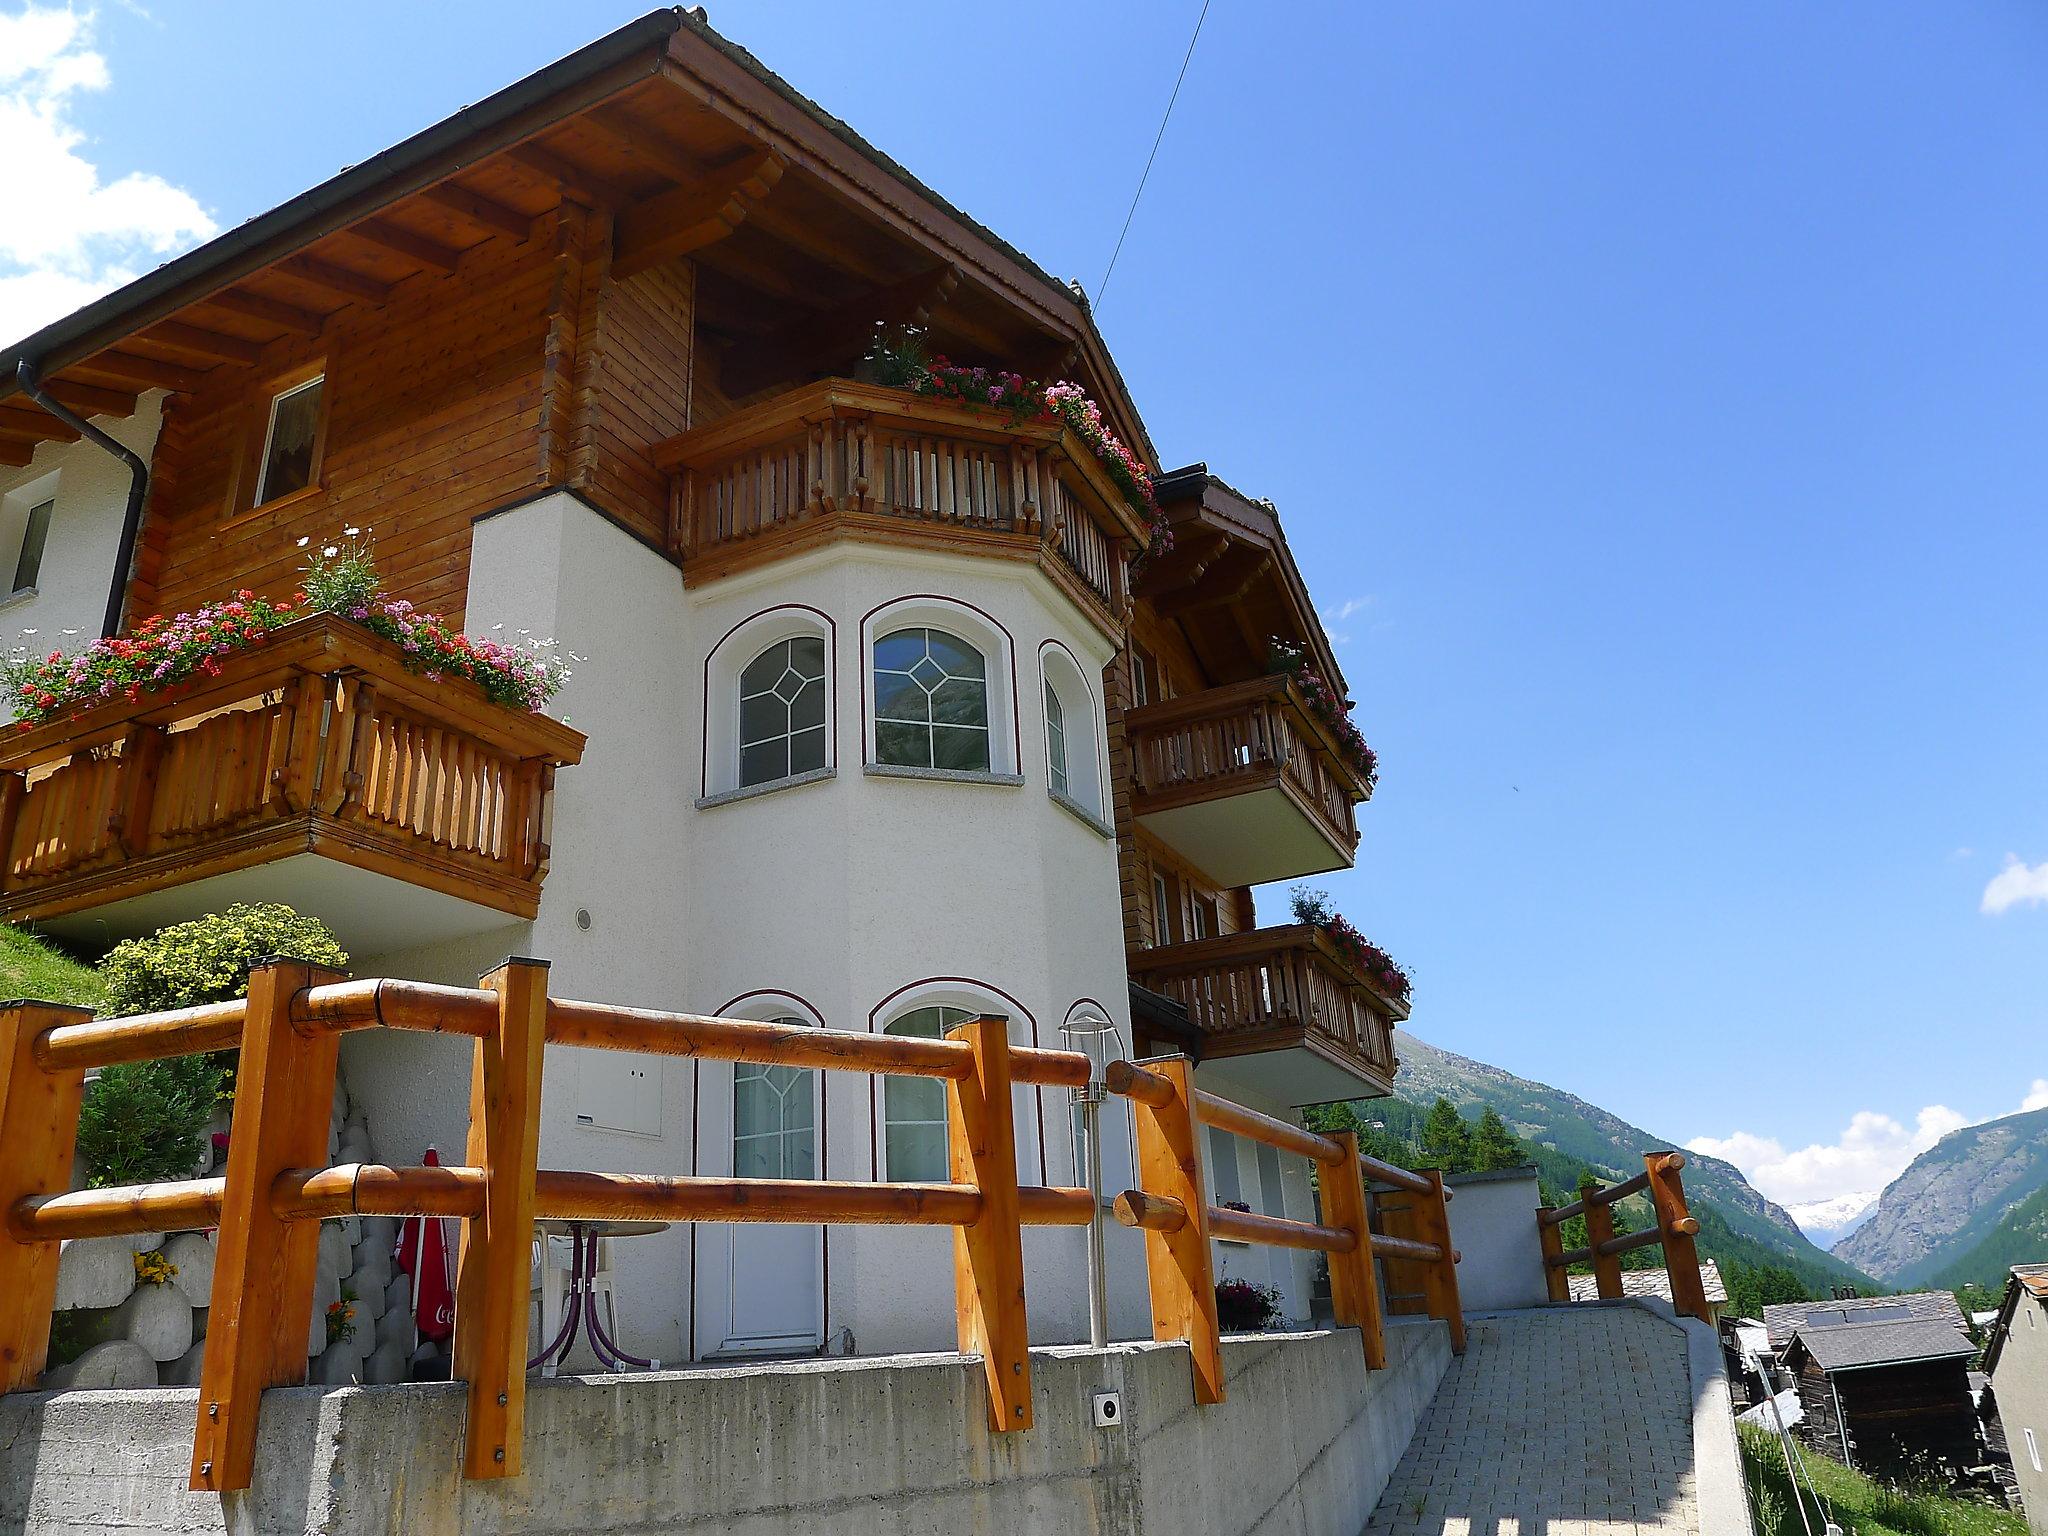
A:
<point x="138" y="487"/>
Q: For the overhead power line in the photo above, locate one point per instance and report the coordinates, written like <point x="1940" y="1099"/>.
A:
<point x="1103" y="287"/>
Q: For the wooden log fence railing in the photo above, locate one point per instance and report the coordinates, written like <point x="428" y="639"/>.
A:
<point x="268" y="1203"/>
<point x="1675" y="1229"/>
<point x="1173" y="1210"/>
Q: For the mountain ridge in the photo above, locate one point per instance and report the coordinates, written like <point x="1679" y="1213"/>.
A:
<point x="1561" y="1120"/>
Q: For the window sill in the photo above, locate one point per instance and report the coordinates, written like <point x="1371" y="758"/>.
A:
<point x="944" y="775"/>
<point x="755" y="791"/>
<point x="282" y="503"/>
<point x="1082" y="814"/>
<point x="22" y="596"/>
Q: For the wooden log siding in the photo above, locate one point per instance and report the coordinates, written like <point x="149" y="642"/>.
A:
<point x="1249" y="991"/>
<point x="319" y="740"/>
<point x="840" y="459"/>
<point x="1243" y="736"/>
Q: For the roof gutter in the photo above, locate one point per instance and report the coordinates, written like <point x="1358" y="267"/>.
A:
<point x="138" y="486"/>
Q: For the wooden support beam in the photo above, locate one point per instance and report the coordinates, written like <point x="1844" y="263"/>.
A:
<point x="567" y="175"/>
<point x="127" y="368"/>
<point x="486" y="213"/>
<point x="1194" y="551"/>
<point x="988" y="1254"/>
<point x="1222" y="584"/>
<point x="260" y="306"/>
<point x="1440" y="1279"/>
<point x="262" y="1306"/>
<point x="395" y="237"/>
<point x="1177" y="1263"/>
<point x="491" y="1285"/>
<point x="836" y="335"/>
<point x="689" y="218"/>
<point x="38" y="1126"/>
<point x="335" y="278"/>
<point x="1606" y="1266"/>
<point x="22" y="413"/>
<point x="1354" y="1279"/>
<point x="1676" y="1226"/>
<point x="177" y="336"/>
<point x="1551" y="1237"/>
<point x="21" y="432"/>
<point x="16" y="455"/>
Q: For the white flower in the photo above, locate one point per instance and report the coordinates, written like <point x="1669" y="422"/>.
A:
<point x="330" y="551"/>
<point x="28" y="631"/>
<point x="70" y="631"/>
<point x="351" y="532"/>
<point x="305" y="541"/>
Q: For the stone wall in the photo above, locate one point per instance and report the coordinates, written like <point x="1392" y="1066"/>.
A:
<point x="137" y="1332"/>
<point x="1303" y="1446"/>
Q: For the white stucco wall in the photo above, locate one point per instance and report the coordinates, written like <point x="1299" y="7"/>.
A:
<point x="1493" y="1224"/>
<point x="90" y="488"/>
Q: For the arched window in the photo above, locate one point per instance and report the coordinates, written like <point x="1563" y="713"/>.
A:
<point x="782" y="711"/>
<point x="768" y="702"/>
<point x="774" y="1119"/>
<point x="1055" y="741"/>
<point x="931" y="701"/>
<point x="1073" y="741"/>
<point x="914" y="1108"/>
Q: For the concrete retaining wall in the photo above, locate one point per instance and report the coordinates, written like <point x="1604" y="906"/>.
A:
<point x="887" y="1447"/>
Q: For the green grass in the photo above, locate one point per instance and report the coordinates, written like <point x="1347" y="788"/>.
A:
<point x="1860" y="1506"/>
<point x="31" y="968"/>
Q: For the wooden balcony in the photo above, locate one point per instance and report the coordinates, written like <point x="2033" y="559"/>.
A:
<point x="314" y="770"/>
<point x="1244" y="783"/>
<point x="1280" y="1013"/>
<point x="841" y="460"/>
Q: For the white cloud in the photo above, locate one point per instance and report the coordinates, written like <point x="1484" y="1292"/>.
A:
<point x="2037" y="1096"/>
<point x="68" y="235"/>
<point x="2016" y="885"/>
<point x="1872" y="1150"/>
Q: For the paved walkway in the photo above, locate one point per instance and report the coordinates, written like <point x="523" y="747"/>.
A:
<point x="1556" y="1422"/>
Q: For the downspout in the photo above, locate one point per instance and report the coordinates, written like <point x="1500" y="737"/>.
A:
<point x="138" y="487"/>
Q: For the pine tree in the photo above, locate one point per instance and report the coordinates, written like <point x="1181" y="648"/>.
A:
<point x="1446" y="1138"/>
<point x="1494" y="1145"/>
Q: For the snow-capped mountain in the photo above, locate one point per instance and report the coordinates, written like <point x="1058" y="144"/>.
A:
<point x="1827" y="1222"/>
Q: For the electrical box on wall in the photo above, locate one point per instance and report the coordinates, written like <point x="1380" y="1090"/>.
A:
<point x="616" y="1091"/>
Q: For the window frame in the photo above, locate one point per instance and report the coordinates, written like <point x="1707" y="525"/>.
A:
<point x="252" y="451"/>
<point x="45" y="508"/>
<point x="790" y="732"/>
<point x="902" y="1084"/>
<point x="929" y="636"/>
<point x="736" y="650"/>
<point x="971" y="626"/>
<point x="1085" y="792"/>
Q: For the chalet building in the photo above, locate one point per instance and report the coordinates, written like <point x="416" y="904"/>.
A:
<point x="1884" y="1390"/>
<point x="892" y="709"/>
<point x="2016" y="1361"/>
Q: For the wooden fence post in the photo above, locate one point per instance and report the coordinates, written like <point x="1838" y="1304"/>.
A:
<point x="1606" y="1266"/>
<point x="988" y="1256"/>
<point x="1354" y="1281"/>
<point x="1676" y="1226"/>
<point x="38" y="1127"/>
<point x="1440" y="1279"/>
<point x="493" y="1272"/>
<point x="262" y="1304"/>
<point x="1177" y="1263"/>
<point x="1551" y="1235"/>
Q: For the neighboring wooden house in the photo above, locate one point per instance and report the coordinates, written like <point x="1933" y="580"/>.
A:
<point x="1783" y="1319"/>
<point x="2016" y="1360"/>
<point x="1657" y="1282"/>
<point x="1888" y="1395"/>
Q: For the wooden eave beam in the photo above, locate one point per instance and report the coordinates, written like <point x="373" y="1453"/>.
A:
<point x="260" y="306"/>
<point x="393" y="237"/>
<point x="177" y="336"/>
<point x="23" y="429"/>
<point x="1224" y="582"/>
<point x="147" y="372"/>
<point x="16" y="455"/>
<point x="88" y="399"/>
<point x="567" y="175"/>
<point x="335" y="278"/>
<point x="486" y="213"/>
<point x="1195" y="550"/>
<point x="837" y="334"/>
<point x="675" y="223"/>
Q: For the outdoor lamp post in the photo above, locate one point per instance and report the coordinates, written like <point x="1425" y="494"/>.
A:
<point x="1090" y="1032"/>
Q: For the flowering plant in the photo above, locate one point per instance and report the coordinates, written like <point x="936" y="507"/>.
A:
<point x="900" y="361"/>
<point x="153" y="1269"/>
<point x="341" y="1316"/>
<point x="1328" y="706"/>
<point x="340" y="579"/>
<point x="1243" y="1306"/>
<point x="1364" y="957"/>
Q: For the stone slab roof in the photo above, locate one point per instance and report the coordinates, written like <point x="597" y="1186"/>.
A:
<point x="1786" y="1318"/>
<point x="1855" y="1346"/>
<point x="1653" y="1282"/>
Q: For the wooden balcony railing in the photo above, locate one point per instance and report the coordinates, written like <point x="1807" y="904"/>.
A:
<point x="1238" y="740"/>
<point x="1274" y="989"/>
<point x="840" y="459"/>
<point x="318" y="741"/>
<point x="1675" y="1230"/>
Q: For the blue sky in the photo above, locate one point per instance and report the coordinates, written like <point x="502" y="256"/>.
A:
<point x="1657" y="393"/>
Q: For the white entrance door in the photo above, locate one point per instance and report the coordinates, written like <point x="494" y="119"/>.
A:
<point x="763" y="1283"/>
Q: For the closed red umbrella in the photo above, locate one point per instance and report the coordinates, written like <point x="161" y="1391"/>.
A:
<point x="424" y="1253"/>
